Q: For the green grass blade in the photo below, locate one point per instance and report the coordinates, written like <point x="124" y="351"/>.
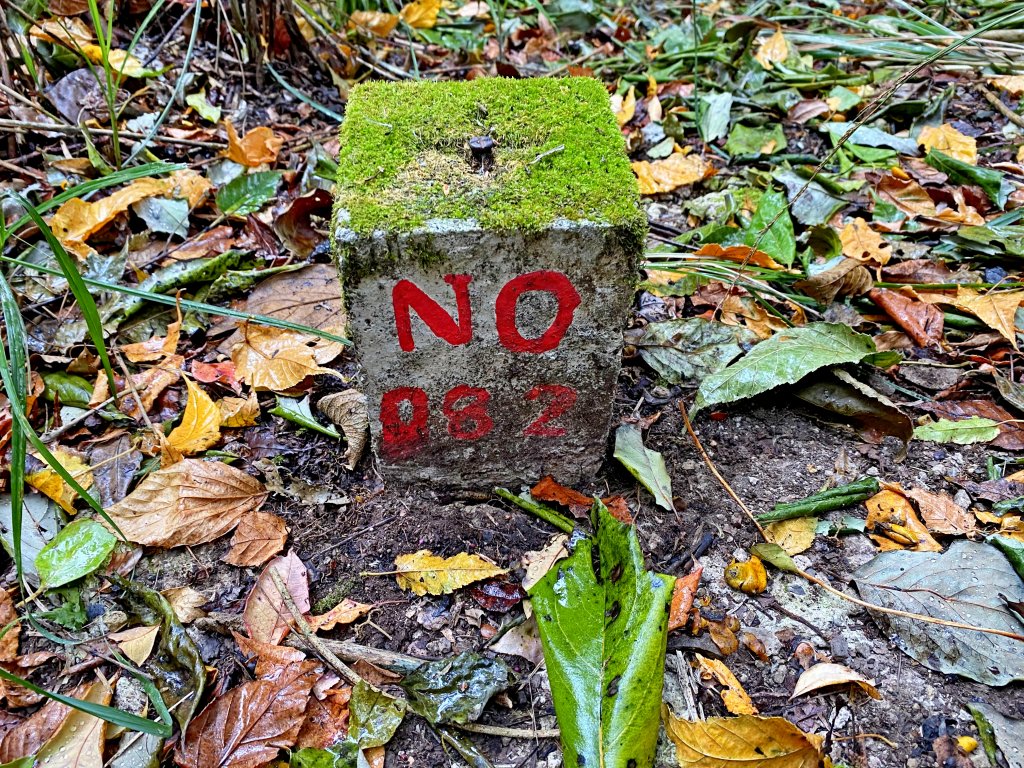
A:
<point x="18" y="390"/>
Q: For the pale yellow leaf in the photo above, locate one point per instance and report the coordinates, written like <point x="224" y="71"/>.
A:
<point x="190" y="502"/>
<point x="421" y="14"/>
<point x="343" y="613"/>
<point x="78" y="743"/>
<point x="746" y="741"/>
<point x="624" y="106"/>
<point x="522" y="640"/>
<point x="376" y="23"/>
<point x="258" y="538"/>
<point x="239" y="411"/>
<point x="734" y="696"/>
<point x="276" y="359"/>
<point x="794" y="536"/>
<point x="772" y="49"/>
<point x="826" y="674"/>
<point x="948" y="140"/>
<point x="187" y="603"/>
<point x="260" y="146"/>
<point x="538" y="562"/>
<point x="156" y="348"/>
<point x="995" y="309"/>
<point x="200" y="424"/>
<point x="674" y="171"/>
<point x="136" y="643"/>
<point x="862" y="243"/>
<point x="425" y="573"/>
<point x="47" y="481"/>
<point x="1012" y="84"/>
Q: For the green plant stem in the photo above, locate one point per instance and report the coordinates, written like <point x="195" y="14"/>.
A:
<point x="826" y="501"/>
<point x="545" y="513"/>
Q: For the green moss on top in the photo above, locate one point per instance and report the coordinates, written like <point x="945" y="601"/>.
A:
<point x="558" y="154"/>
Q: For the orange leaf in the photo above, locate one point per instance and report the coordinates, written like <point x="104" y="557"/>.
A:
<point x="258" y="147"/>
<point x="376" y="23"/>
<point x="896" y="525"/>
<point x="940" y="513"/>
<point x="258" y="538"/>
<point x="550" y="490"/>
<point x="682" y="598"/>
<point x="421" y="14"/>
<point x="772" y="50"/>
<point x="200" y="425"/>
<point x="863" y="243"/>
<point x="343" y="613"/>
<point x="156" y="348"/>
<point x="734" y="697"/>
<point x="239" y="411"/>
<point x="922" y="322"/>
<point x="739" y="253"/>
<point x="677" y="170"/>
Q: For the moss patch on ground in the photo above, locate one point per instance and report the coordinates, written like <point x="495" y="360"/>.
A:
<point x="558" y="153"/>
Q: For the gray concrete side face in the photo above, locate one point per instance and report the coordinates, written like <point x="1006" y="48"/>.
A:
<point x="464" y="451"/>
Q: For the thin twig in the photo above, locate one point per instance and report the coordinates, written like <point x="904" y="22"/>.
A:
<point x="1001" y="108"/>
<point x="510" y="733"/>
<point x="28" y="125"/>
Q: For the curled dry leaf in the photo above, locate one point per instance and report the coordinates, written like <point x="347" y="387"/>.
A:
<point x="200" y="424"/>
<point x="190" y="502"/>
<point x="156" y="348"/>
<point x="848" y="278"/>
<point x="747" y="741"/>
<point x="425" y="573"/>
<point x="683" y="593"/>
<point x="187" y="603"/>
<point x="734" y="696"/>
<point x="266" y="615"/>
<point x="137" y="642"/>
<point x="826" y="675"/>
<point x="923" y="322"/>
<point x="258" y="538"/>
<point x="862" y="243"/>
<point x="538" y="562"/>
<point x="772" y="49"/>
<point x="377" y="23"/>
<point x="941" y="514"/>
<point x="907" y="195"/>
<point x="50" y="483"/>
<point x="259" y="146"/>
<point x="948" y="140"/>
<point x="250" y="724"/>
<point x="895" y="524"/>
<point x="348" y="410"/>
<point x="522" y="640"/>
<point x="997" y="309"/>
<point x="343" y="613"/>
<point x="239" y="411"/>
<point x="676" y="170"/>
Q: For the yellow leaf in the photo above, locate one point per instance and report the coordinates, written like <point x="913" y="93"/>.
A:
<point x="259" y="537"/>
<point x="120" y="61"/>
<point x="425" y="573"/>
<point x="743" y="254"/>
<point x="239" y="411"/>
<point x="376" y="23"/>
<point x="136" y="643"/>
<point x="795" y="535"/>
<point x="68" y="31"/>
<point x="995" y="309"/>
<point x="772" y="50"/>
<point x="1012" y="84"/>
<point x="949" y="141"/>
<point x="156" y="348"/>
<point x="258" y="147"/>
<point x="78" y="743"/>
<point x="895" y="524"/>
<point x="278" y="359"/>
<point x="343" y="613"/>
<point x="862" y="243"/>
<point x="825" y="675"/>
<point x="671" y="173"/>
<point x="735" y="698"/>
<point x="747" y="741"/>
<point x="624" y="106"/>
<point x="47" y="481"/>
<point x="200" y="425"/>
<point x="421" y="14"/>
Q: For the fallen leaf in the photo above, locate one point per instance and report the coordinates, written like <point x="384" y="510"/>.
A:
<point x="1005" y="732"/>
<point x="538" y="562"/>
<point x="862" y="243"/>
<point x="743" y="254"/>
<point x="1012" y="84"/>
<point x="549" y="490"/>
<point x="891" y="515"/>
<point x="186" y="603"/>
<point x="644" y="464"/>
<point x="200" y="424"/>
<point x="156" y="348"/>
<point x="269" y="657"/>
<point x="795" y="535"/>
<point x="421" y="14"/>
<point x="996" y="309"/>
<point x="78" y="743"/>
<point x="973" y="429"/>
<point x="348" y="410"/>
<point x="848" y="278"/>
<point x="734" y="696"/>
<point x="343" y="613"/>
<point x="8" y="619"/>
<point x="522" y="640"/>
<point x="136" y="643"/>
<point x="377" y="23"/>
<point x="676" y="170"/>
<point x="499" y="595"/>
<point x="425" y="573"/>
<point x="683" y="594"/>
<point x="772" y="50"/>
<point x="50" y="483"/>
<point x="941" y="514"/>
<point x="26" y="738"/>
<point x="326" y="721"/>
<point x="216" y="373"/>
<point x="907" y="195"/>
<point x="1011" y="432"/>
<point x="266" y="615"/>
<point x="923" y="322"/>
<point x="190" y="502"/>
<point x="276" y="359"/>
<point x="950" y="141"/>
<point x="82" y="547"/>
<point x="825" y="675"/>
<point x="239" y="411"/>
<point x="250" y="724"/>
<point x="746" y="741"/>
<point x="260" y="146"/>
<point x="624" y="106"/>
<point x="259" y="537"/>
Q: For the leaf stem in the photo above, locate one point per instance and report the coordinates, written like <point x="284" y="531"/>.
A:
<point x="545" y="513"/>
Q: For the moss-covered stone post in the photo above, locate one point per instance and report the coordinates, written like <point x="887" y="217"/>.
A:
<point x="488" y="234"/>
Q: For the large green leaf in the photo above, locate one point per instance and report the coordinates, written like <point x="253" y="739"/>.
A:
<point x="772" y="218"/>
<point x="78" y="550"/>
<point x="785" y="358"/>
<point x="247" y="194"/>
<point x="959" y="172"/>
<point x="645" y="465"/>
<point x="604" y="637"/>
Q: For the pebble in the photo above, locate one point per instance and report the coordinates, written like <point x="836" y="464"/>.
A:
<point x="962" y="498"/>
<point x="873" y="471"/>
<point x="839" y="648"/>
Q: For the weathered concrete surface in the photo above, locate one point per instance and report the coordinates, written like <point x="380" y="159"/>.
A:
<point x="490" y="355"/>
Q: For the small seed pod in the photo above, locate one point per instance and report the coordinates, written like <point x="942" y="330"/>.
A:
<point x="749" y="577"/>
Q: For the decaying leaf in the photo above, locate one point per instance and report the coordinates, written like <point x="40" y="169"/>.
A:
<point x="239" y="411"/>
<point x="922" y="322"/>
<point x="683" y="594"/>
<point x="266" y="614"/>
<point x="676" y="170"/>
<point x="862" y="243"/>
<point x="848" y="278"/>
<point x="347" y="409"/>
<point x="742" y="254"/>
<point x="424" y="573"/>
<point x="137" y="642"/>
<point x="421" y="14"/>
<point x="190" y="502"/>
<point x="772" y="50"/>
<point x="795" y="535"/>
<point x="276" y="359"/>
<point x="895" y="525"/>
<point x="377" y="23"/>
<point x="156" y="348"/>
<point x="539" y="562"/>
<point x="343" y="613"/>
<point x="746" y="741"/>
<point x="187" y="603"/>
<point x="9" y="619"/>
<point x="825" y="675"/>
<point x="200" y="424"/>
<point x="259" y="537"/>
<point x="646" y="465"/>
<point x="749" y="576"/>
<point x="907" y="195"/>
<point x="996" y="309"/>
<point x="50" y="483"/>
<point x="522" y="640"/>
<point x="941" y="514"/>
<point x="25" y="739"/>
<point x="734" y="696"/>
<point x="259" y="146"/>
<point x="950" y="141"/>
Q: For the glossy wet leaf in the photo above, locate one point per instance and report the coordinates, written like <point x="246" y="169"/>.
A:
<point x="78" y="550"/>
<point x="456" y="690"/>
<point x="873" y="415"/>
<point x="78" y="743"/>
<point x="689" y="349"/>
<point x="40" y="522"/>
<point x="773" y="554"/>
<point x="247" y="194"/>
<point x="424" y="573"/>
<point x="964" y="584"/>
<point x="999" y="732"/>
<point x="747" y="741"/>
<point x="785" y="358"/>
<point x="373" y="716"/>
<point x="266" y="615"/>
<point x="298" y="412"/>
<point x="200" y="424"/>
<point x="964" y="432"/>
<point x="1013" y="549"/>
<point x="604" y="637"/>
<point x="645" y="465"/>
<point x="959" y="172"/>
<point x="259" y="537"/>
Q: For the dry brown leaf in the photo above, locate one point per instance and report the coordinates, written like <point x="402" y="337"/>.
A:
<point x="734" y="696"/>
<point x="1012" y="84"/>
<point x="137" y="642"/>
<point x="269" y="657"/>
<point x="948" y="140"/>
<point x="47" y="481"/>
<point x="348" y="410"/>
<point x="149" y="384"/>
<point x="259" y="146"/>
<point x="9" y="619"/>
<point x="276" y="359"/>
<point x="187" y="603"/>
<point x="996" y="309"/>
<point x="258" y="538"/>
<point x="200" y="424"/>
<point x="772" y="50"/>
<point x="343" y="613"/>
<point x="425" y="573"/>
<point x="78" y="743"/>
<point x="676" y="170"/>
<point x="941" y="514"/>
<point x="266" y="615"/>
<point x="421" y="14"/>
<point x="862" y="243"/>
<point x="746" y="741"/>
<point x="522" y="640"/>
<point x="28" y="736"/>
<point x="848" y="278"/>
<point x="538" y="562"/>
<point x="922" y="321"/>
<point x="326" y="720"/>
<point x="895" y="525"/>
<point x="683" y="594"/>
<point x="156" y="348"/>
<point x="907" y="195"/>
<point x="826" y="674"/>
<point x="239" y="411"/>
<point x="745" y="310"/>
<point x="376" y="23"/>
<point x="794" y="536"/>
<point x="250" y="724"/>
<point x="190" y="502"/>
<point x="743" y="254"/>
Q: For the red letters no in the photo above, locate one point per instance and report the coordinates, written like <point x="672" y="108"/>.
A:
<point x="402" y="438"/>
<point x="557" y="285"/>
<point x="406" y="297"/>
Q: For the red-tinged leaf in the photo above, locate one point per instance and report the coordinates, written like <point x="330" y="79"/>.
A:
<point x="266" y="614"/>
<point x="497" y="595"/>
<point x="258" y="538"/>
<point x="9" y="642"/>
<point x="619" y="508"/>
<point x="268" y="657"/>
<point x="326" y="720"/>
<point x="549" y="490"/>
<point x="26" y="738"/>
<point x="250" y="724"/>
<point x="682" y="598"/>
<point x="216" y="373"/>
<point x="295" y="225"/>
<point x="922" y="322"/>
